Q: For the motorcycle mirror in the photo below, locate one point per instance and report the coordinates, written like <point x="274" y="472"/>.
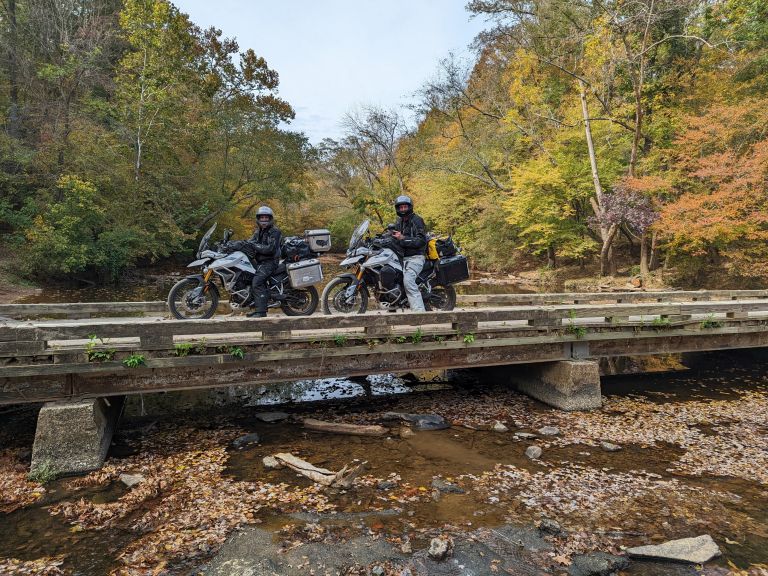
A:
<point x="227" y="234"/>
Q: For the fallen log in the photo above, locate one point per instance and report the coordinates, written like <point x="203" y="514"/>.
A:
<point x="341" y="479"/>
<point x="341" y="428"/>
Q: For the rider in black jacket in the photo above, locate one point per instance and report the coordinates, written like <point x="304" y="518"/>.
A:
<point x="411" y="233"/>
<point x="263" y="249"/>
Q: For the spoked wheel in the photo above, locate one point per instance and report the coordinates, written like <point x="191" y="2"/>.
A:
<point x="337" y="301"/>
<point x="441" y="298"/>
<point x="300" y="301"/>
<point x="188" y="300"/>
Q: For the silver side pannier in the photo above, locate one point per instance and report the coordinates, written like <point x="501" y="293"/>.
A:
<point x="305" y="273"/>
<point x="319" y="240"/>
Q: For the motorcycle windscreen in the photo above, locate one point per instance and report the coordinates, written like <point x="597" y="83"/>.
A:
<point x="206" y="238"/>
<point x="358" y="234"/>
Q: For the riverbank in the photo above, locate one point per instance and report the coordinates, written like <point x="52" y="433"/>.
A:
<point x="12" y="286"/>
<point x="668" y="456"/>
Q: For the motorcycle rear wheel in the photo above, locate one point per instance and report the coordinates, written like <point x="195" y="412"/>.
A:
<point x="441" y="298"/>
<point x="334" y="301"/>
<point x="185" y="303"/>
<point x="300" y="301"/>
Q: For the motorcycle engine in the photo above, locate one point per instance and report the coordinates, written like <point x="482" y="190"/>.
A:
<point x="240" y="292"/>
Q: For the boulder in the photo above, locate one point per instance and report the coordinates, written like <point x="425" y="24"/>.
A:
<point x="596" y="564"/>
<point x="419" y="421"/>
<point x="694" y="550"/>
<point x="271" y="416"/>
<point x="440" y="548"/>
<point x="245" y="440"/>
<point x="533" y="452"/>
<point x="130" y="480"/>
<point x="547" y="526"/>
<point x="499" y="427"/>
<point x="610" y="447"/>
<point x="525" y="435"/>
<point x="549" y="431"/>
<point x="447" y="487"/>
<point x="272" y="463"/>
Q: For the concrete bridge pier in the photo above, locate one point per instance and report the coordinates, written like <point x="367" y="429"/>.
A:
<point x="73" y="437"/>
<point x="564" y="384"/>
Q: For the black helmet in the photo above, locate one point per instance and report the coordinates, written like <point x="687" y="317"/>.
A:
<point x="403" y="206"/>
<point x="264" y="211"/>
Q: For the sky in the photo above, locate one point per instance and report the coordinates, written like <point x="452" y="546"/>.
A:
<point x="334" y="56"/>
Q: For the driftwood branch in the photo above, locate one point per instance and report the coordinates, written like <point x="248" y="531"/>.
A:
<point x="340" y="428"/>
<point x="341" y="479"/>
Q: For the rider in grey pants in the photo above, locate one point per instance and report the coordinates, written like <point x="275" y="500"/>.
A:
<point x="411" y="232"/>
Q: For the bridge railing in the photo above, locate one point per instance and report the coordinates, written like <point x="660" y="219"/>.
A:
<point x="40" y="342"/>
<point x="82" y="310"/>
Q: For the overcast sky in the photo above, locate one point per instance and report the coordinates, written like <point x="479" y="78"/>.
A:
<point x="335" y="55"/>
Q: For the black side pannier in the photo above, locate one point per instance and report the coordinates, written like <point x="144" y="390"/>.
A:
<point x="295" y="248"/>
<point x="452" y="270"/>
<point x="445" y="247"/>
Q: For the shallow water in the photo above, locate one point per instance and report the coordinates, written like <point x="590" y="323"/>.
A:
<point x="738" y="519"/>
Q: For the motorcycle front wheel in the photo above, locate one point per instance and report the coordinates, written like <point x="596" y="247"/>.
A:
<point x="300" y="301"/>
<point x="335" y="300"/>
<point x="188" y="300"/>
<point x="441" y="298"/>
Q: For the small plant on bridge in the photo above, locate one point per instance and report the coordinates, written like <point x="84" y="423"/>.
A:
<point x="95" y="354"/>
<point x="401" y="339"/>
<point x="439" y="338"/>
<point x="134" y="361"/>
<point x="417" y="337"/>
<point x="572" y="328"/>
<point x="182" y="349"/>
<point x="661" y="323"/>
<point x="236" y="352"/>
<point x="710" y="322"/>
<point x="340" y="339"/>
<point x="468" y="338"/>
<point x="43" y="473"/>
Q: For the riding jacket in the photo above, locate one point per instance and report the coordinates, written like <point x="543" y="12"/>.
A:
<point x="414" y="240"/>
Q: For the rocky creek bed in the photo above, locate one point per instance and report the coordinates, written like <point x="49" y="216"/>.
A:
<point x="669" y="456"/>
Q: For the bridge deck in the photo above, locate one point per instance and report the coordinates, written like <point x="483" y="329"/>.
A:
<point x="49" y="359"/>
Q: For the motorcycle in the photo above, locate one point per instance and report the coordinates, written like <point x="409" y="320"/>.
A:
<point x="197" y="296"/>
<point x="379" y="269"/>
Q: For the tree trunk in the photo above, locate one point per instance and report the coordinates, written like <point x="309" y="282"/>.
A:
<point x="14" y="116"/>
<point x="551" y="257"/>
<point x="607" y="233"/>
<point x="644" y="254"/>
<point x="653" y="263"/>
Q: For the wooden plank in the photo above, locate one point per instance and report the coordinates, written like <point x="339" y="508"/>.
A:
<point x="21" y="348"/>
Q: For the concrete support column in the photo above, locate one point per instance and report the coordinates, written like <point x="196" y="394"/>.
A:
<point x="566" y="384"/>
<point x="73" y="437"/>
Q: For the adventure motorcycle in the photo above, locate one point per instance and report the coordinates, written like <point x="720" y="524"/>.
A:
<point x="291" y="286"/>
<point x="379" y="268"/>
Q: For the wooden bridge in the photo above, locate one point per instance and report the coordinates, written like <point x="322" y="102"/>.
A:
<point x="101" y="350"/>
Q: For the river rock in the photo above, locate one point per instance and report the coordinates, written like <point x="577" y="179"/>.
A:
<point x="378" y="571"/>
<point x="440" y="548"/>
<point x="695" y="550"/>
<point x="447" y="487"/>
<point x="499" y="427"/>
<point x="245" y="440"/>
<point x="271" y="416"/>
<point x="130" y="480"/>
<point x="548" y="526"/>
<point x="405" y="432"/>
<point x="419" y="421"/>
<point x="386" y="485"/>
<point x="272" y="463"/>
<point x="610" y="447"/>
<point x="549" y="431"/>
<point x="533" y="452"/>
<point x="525" y="435"/>
<point x="596" y="564"/>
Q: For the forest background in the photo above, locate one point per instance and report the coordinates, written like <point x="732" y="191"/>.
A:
<point x="586" y="132"/>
